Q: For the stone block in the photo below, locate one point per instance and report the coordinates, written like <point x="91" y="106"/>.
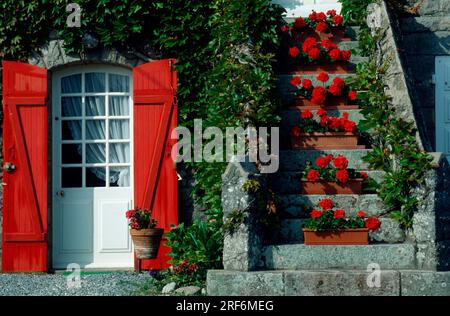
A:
<point x="304" y="257"/>
<point x="234" y="283"/>
<point x="389" y="232"/>
<point x="425" y="283"/>
<point x="425" y="24"/>
<point x="340" y="283"/>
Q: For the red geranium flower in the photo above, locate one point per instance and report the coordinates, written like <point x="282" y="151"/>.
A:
<point x="342" y="176"/>
<point x="284" y="29"/>
<point x="295" y="81"/>
<point x="307" y="83"/>
<point x="312" y="16"/>
<point x="364" y="174"/>
<point x="322" y="162"/>
<point x="323" y="76"/>
<point x="345" y="115"/>
<point x="346" y="54"/>
<point x="312" y="175"/>
<point x="337" y="20"/>
<point x="324" y="120"/>
<point x="373" y="223"/>
<point x="339" y="213"/>
<point x="352" y="95"/>
<point x="326" y="204"/>
<point x="306" y="114"/>
<point x="320" y="16"/>
<point x="129" y="214"/>
<point x="361" y="214"/>
<point x="331" y="12"/>
<point x="299" y="23"/>
<point x="339" y="82"/>
<point x="314" y="53"/>
<point x="334" y="123"/>
<point x="295" y="132"/>
<point x="328" y="45"/>
<point x="321" y="112"/>
<point x="321" y="27"/>
<point x="349" y="126"/>
<point x="316" y="213"/>
<point x="319" y="95"/>
<point x="335" y="90"/>
<point x="294" y="51"/>
<point x="334" y="54"/>
<point x="340" y="162"/>
<point x="308" y="44"/>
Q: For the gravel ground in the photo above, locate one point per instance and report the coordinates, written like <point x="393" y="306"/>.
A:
<point x="97" y="283"/>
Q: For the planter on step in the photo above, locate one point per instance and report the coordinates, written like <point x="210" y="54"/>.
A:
<point x="355" y="236"/>
<point x="146" y="242"/>
<point x="327" y="140"/>
<point x="322" y="187"/>
<point x="336" y="34"/>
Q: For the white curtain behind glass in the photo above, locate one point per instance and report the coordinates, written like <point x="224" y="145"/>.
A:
<point x="96" y="129"/>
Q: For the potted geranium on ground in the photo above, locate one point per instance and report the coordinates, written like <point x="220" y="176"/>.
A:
<point x="334" y="95"/>
<point x="330" y="226"/>
<point x="324" y="132"/>
<point x="145" y="235"/>
<point x="330" y="175"/>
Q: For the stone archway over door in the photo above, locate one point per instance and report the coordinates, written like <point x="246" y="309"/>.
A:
<point x="296" y="8"/>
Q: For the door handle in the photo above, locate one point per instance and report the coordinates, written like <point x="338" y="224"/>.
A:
<point x="60" y="193"/>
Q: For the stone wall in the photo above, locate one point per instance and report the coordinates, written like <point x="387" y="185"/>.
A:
<point x="421" y="38"/>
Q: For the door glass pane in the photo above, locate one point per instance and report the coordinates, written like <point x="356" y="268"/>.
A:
<point x="71" y="153"/>
<point x="95" y="129"/>
<point x="119" y="129"/>
<point x="95" y="177"/>
<point x="95" y="153"/>
<point x="71" y="177"/>
<point x="119" y="153"/>
<point x="71" y="130"/>
<point x="71" y="106"/>
<point x="71" y="84"/>
<point x="119" y="106"/>
<point x="119" y="83"/>
<point x="95" y="82"/>
<point x="95" y="106"/>
<point x="119" y="177"/>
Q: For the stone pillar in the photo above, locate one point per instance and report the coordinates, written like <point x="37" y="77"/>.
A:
<point x="242" y="245"/>
<point x="431" y="222"/>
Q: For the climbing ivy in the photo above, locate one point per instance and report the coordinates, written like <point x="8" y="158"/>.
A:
<point x="395" y="149"/>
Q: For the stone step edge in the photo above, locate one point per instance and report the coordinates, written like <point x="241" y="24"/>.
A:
<point x="395" y="282"/>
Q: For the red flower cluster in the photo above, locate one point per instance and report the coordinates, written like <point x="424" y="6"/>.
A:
<point x="340" y="162"/>
<point x="323" y="161"/>
<point x="306" y="114"/>
<point x="339" y="214"/>
<point x="312" y="175"/>
<point x="294" y="51"/>
<point x="326" y="204"/>
<point x="185" y="267"/>
<point x="333" y="123"/>
<point x="373" y="223"/>
<point x="319" y="95"/>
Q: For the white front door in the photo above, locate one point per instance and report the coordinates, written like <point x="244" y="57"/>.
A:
<point x="296" y="8"/>
<point x="92" y="169"/>
<point x="443" y="105"/>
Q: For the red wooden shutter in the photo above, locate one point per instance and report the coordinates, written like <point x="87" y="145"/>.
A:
<point x="24" y="189"/>
<point x="155" y="178"/>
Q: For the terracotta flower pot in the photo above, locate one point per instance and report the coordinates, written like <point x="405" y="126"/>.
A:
<point x="353" y="186"/>
<point x="146" y="242"/>
<point x="328" y="140"/>
<point x="336" y="34"/>
<point x="332" y="103"/>
<point x="338" y="67"/>
<point x="354" y="236"/>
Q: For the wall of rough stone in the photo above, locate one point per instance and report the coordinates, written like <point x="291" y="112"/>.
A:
<point x="421" y="38"/>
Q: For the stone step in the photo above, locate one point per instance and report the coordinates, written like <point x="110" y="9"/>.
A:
<point x="290" y="230"/>
<point x="344" y="282"/>
<point x="288" y="182"/>
<point x="351" y="45"/>
<point x="304" y="257"/>
<point x="295" y="160"/>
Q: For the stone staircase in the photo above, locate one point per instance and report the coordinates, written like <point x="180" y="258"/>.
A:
<point x="286" y="266"/>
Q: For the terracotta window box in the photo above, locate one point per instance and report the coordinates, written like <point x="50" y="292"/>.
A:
<point x="332" y="68"/>
<point x="327" y="140"/>
<point x="336" y="34"/>
<point x="354" y="236"/>
<point x="322" y="187"/>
